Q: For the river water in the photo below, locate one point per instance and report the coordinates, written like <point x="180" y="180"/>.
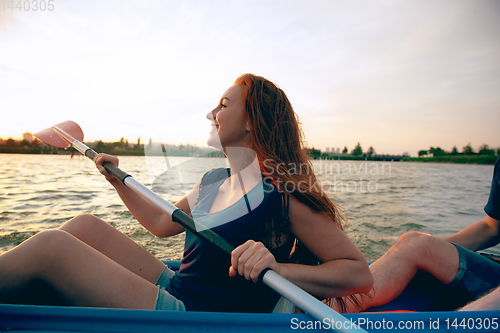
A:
<point x="382" y="199"/>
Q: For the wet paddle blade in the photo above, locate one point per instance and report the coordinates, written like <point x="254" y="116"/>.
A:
<point x="52" y="137"/>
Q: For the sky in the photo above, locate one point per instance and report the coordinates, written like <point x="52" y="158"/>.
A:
<point x="399" y="76"/>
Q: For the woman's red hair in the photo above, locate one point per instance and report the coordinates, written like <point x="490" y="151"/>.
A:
<point x="278" y="141"/>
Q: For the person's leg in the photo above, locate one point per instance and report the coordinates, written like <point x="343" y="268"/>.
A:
<point x="393" y="271"/>
<point x="115" y="245"/>
<point x="490" y="302"/>
<point x="413" y="251"/>
<point x="80" y="275"/>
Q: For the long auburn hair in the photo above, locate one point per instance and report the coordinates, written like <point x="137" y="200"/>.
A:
<point x="278" y="141"/>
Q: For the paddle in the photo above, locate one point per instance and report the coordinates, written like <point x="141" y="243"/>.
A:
<point x="69" y="133"/>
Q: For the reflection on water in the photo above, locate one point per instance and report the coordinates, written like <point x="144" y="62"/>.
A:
<point x="382" y="199"/>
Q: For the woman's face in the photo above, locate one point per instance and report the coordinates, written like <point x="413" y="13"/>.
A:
<point x="230" y="126"/>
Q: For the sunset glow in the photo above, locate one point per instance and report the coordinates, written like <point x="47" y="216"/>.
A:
<point x="398" y="76"/>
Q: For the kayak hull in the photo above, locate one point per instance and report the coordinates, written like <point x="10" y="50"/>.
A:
<point x="422" y="294"/>
<point x="73" y="319"/>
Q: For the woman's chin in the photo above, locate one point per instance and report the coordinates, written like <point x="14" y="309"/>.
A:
<point x="214" y="142"/>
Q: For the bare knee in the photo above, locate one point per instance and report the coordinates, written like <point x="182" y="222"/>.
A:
<point x="414" y="244"/>
<point x="414" y="238"/>
<point x="80" y="225"/>
<point x="45" y="248"/>
<point x="51" y="241"/>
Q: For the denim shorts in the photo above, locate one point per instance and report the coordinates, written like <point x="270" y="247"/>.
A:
<point x="165" y="301"/>
<point x="477" y="274"/>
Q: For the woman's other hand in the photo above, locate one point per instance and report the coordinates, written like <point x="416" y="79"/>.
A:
<point x="250" y="259"/>
<point x="100" y="159"/>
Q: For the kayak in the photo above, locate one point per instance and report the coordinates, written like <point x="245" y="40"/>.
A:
<point x="71" y="319"/>
<point x="77" y="319"/>
<point x="422" y="295"/>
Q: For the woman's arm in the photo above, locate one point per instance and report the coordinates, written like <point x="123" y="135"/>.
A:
<point x="344" y="270"/>
<point x="151" y="217"/>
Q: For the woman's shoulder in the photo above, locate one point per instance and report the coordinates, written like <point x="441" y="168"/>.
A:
<point x="209" y="180"/>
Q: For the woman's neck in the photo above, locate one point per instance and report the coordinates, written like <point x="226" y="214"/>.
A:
<point x="244" y="168"/>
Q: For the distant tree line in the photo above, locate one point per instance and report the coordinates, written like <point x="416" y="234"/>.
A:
<point x="466" y="150"/>
<point x="121" y="147"/>
<point x="25" y="147"/>
<point x="485" y="155"/>
<point x="356" y="154"/>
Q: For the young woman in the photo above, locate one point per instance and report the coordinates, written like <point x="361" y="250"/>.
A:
<point x="267" y="204"/>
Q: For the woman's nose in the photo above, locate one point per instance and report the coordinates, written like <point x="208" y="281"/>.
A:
<point x="211" y="115"/>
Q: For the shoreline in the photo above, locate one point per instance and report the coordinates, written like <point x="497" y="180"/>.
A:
<point x="456" y="159"/>
<point x="128" y="152"/>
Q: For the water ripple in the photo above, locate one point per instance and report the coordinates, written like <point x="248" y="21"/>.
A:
<point x="383" y="199"/>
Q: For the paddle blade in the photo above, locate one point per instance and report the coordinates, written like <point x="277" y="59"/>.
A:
<point x="53" y="138"/>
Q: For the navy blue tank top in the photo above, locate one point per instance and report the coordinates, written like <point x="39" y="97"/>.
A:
<point x="203" y="282"/>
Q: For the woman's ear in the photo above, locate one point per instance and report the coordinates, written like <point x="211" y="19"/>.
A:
<point x="247" y="126"/>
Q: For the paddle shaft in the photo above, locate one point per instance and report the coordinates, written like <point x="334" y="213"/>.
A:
<point x="294" y="294"/>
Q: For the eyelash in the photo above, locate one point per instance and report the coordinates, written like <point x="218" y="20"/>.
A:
<point x="222" y="106"/>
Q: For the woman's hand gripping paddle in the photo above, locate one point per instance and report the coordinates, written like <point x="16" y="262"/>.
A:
<point x="69" y="133"/>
